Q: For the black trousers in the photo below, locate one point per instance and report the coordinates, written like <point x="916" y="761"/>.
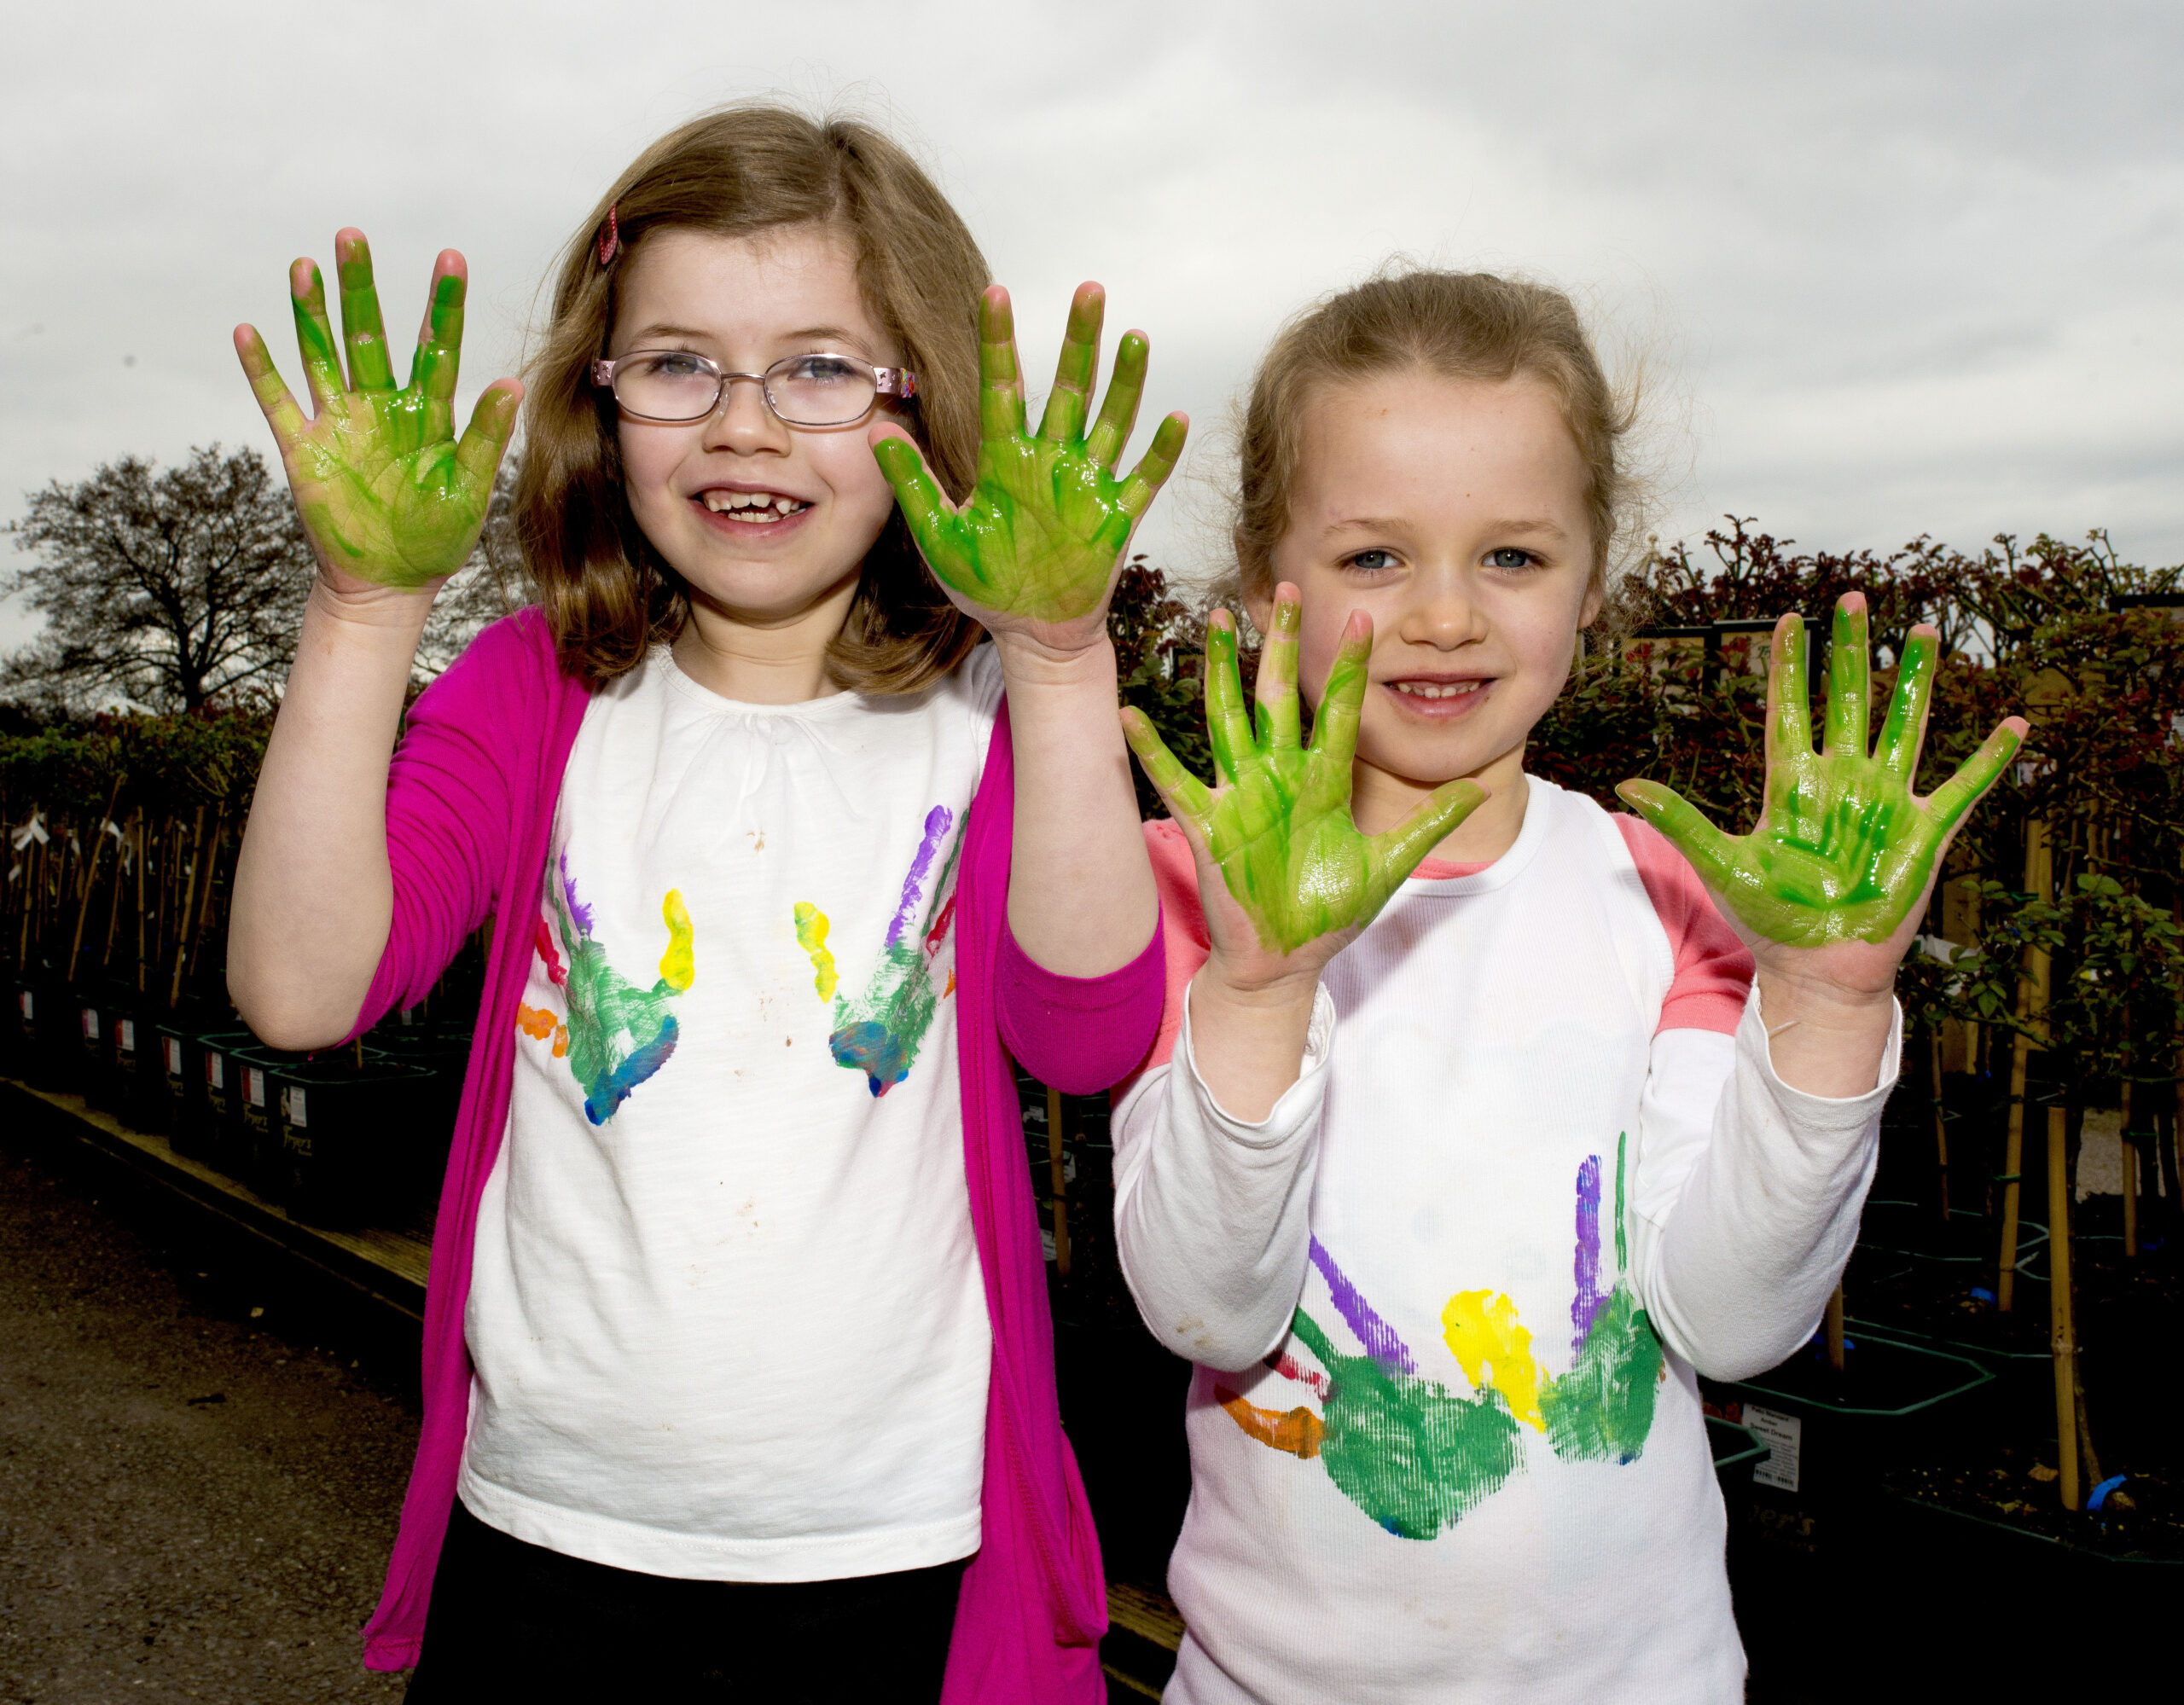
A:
<point x="512" y="1621"/>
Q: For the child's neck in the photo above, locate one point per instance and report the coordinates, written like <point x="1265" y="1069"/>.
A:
<point x="1378" y="801"/>
<point x="760" y="660"/>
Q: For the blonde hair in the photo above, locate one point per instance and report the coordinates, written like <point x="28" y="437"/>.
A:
<point x="753" y="167"/>
<point x="1459" y="325"/>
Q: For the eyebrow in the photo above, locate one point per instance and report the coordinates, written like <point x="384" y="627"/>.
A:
<point x="809" y="336"/>
<point x="1539" y="528"/>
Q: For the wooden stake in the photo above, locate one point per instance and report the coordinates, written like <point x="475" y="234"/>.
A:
<point x="142" y="848"/>
<point x="1060" y="1181"/>
<point x="2061" y="1344"/>
<point x="1835" y="1330"/>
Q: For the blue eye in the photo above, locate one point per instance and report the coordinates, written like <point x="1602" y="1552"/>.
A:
<point x="819" y="369"/>
<point x="1509" y="557"/>
<point x="675" y="364"/>
<point x="1372" y="561"/>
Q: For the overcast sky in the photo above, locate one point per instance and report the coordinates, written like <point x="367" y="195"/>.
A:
<point x="1896" y="269"/>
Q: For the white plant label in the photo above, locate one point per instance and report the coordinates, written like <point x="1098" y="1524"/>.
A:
<point x="1784" y="1436"/>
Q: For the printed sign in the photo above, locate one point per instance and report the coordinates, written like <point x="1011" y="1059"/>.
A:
<point x="1784" y="1434"/>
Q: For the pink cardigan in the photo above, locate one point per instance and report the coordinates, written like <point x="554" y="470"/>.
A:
<point x="469" y="813"/>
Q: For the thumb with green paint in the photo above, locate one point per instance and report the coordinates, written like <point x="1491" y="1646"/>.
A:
<point x="390" y="500"/>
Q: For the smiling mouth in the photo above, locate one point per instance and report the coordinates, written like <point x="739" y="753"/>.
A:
<point x="1435" y="689"/>
<point x="754" y="508"/>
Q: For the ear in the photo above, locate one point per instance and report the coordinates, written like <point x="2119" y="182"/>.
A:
<point x="1258" y="605"/>
<point x="1590" y="611"/>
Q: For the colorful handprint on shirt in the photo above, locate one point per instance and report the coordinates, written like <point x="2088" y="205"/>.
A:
<point x="617" y="1035"/>
<point x="880" y="1031"/>
<point x="1416" y="1457"/>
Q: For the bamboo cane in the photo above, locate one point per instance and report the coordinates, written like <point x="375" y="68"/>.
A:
<point x="2061" y="1344"/>
<point x="1941" y="1121"/>
<point x="114" y="900"/>
<point x="1835" y="1330"/>
<point x="2038" y="871"/>
<point x="90" y="880"/>
<point x="192" y="879"/>
<point x="212" y="880"/>
<point x="142" y="848"/>
<point x="1060" y="1179"/>
<point x="2129" y="1158"/>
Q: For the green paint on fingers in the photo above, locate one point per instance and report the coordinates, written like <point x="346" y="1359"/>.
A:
<point x="1278" y="823"/>
<point x="1842" y="850"/>
<point x="1047" y="519"/>
<point x="386" y="492"/>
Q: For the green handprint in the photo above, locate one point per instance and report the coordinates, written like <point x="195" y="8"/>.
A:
<point x="386" y="492"/>
<point x="1842" y="851"/>
<point x="1047" y="521"/>
<point x="1280" y="826"/>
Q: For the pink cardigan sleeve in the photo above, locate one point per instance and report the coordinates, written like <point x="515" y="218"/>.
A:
<point x="459" y="789"/>
<point x="1079" y="1034"/>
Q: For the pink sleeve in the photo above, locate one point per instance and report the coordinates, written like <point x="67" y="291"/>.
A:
<point x="1713" y="970"/>
<point x="1184" y="943"/>
<point x="1079" y="1034"/>
<point x="453" y="800"/>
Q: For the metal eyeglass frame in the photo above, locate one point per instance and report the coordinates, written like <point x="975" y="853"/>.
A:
<point x="898" y="382"/>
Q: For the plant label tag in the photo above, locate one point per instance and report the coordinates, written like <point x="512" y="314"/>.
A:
<point x="29" y="1006"/>
<point x="126" y="1036"/>
<point x="254" y="1085"/>
<point x="294" y="1092"/>
<point x="173" y="1050"/>
<point x="1784" y="1436"/>
<point x="90" y="1023"/>
<point x="216" y="1072"/>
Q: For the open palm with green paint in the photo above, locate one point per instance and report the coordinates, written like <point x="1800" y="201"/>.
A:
<point x="1843" y="853"/>
<point x="1278" y="823"/>
<point x="388" y="496"/>
<point x="1039" y="543"/>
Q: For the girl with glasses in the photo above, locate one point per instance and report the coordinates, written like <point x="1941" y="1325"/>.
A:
<point x="738" y="1369"/>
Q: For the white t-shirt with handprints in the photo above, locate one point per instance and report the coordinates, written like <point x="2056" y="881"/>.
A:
<point x="1447" y="1298"/>
<point x="726" y="1312"/>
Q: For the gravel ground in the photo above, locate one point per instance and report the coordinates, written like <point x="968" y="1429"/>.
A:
<point x="195" y="1500"/>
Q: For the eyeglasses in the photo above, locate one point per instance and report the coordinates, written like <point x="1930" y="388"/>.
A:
<point x="677" y="386"/>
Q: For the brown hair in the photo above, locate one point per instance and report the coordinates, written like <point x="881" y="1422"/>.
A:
<point x="749" y="168"/>
<point x="1460" y="325"/>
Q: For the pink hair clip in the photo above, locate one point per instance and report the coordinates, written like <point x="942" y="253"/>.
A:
<point x="610" y="238"/>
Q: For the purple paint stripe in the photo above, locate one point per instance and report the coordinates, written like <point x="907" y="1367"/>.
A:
<point x="1376" y="1335"/>
<point x="1589" y="1300"/>
<point x="936" y="825"/>
<point x="579" y="914"/>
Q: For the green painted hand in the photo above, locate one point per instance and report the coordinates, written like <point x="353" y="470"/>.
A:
<point x="1279" y="826"/>
<point x="1043" y="533"/>
<point x="1842" y="851"/>
<point x="388" y="495"/>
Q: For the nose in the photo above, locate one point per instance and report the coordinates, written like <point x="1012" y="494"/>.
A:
<point x="1443" y="613"/>
<point x="742" y="424"/>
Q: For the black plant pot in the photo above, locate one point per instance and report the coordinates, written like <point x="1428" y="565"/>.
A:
<point x="343" y="1132"/>
<point x="225" y="1137"/>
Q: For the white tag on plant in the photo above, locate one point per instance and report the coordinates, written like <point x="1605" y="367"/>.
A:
<point x="1784" y="1436"/>
<point x="295" y="1093"/>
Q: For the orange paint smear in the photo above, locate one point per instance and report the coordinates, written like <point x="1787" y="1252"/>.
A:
<point x="540" y="1025"/>
<point x="1297" y="1432"/>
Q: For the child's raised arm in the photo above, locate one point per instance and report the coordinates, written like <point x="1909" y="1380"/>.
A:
<point x="392" y="505"/>
<point x="1033" y="555"/>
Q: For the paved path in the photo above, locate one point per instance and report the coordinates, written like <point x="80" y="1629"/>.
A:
<point x="195" y="1502"/>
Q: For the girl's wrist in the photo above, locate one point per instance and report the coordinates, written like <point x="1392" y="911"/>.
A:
<point x="380" y="608"/>
<point x="1027" y="661"/>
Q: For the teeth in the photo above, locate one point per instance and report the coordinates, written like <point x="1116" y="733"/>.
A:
<point x="754" y="506"/>
<point x="1429" y="689"/>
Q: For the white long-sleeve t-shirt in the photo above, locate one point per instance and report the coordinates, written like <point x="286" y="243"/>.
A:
<point x="1448" y="1299"/>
